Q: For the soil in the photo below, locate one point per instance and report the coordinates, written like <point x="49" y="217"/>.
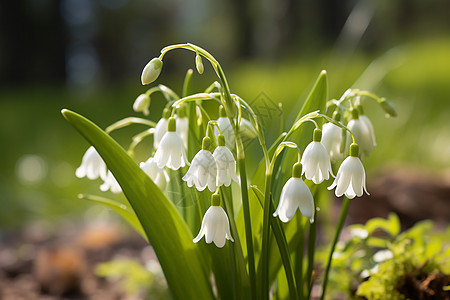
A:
<point x="39" y="263"/>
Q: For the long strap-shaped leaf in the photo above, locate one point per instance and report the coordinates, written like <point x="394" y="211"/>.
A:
<point x="184" y="266"/>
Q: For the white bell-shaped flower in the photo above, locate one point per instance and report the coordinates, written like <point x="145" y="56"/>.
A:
<point x="141" y="104"/>
<point x="295" y="194"/>
<point x="171" y="152"/>
<point x="351" y="177"/>
<point x="247" y="131"/>
<point x="361" y="132"/>
<point x="203" y="170"/>
<point x="316" y="161"/>
<point x="332" y="139"/>
<point x="92" y="165"/>
<point x="215" y="224"/>
<point x="366" y="121"/>
<point x="226" y="164"/>
<point x="159" y="176"/>
<point x="111" y="184"/>
<point x="161" y="128"/>
<point x="182" y="125"/>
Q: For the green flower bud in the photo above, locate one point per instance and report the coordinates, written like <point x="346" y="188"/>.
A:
<point x="388" y="107"/>
<point x="199" y="64"/>
<point x="141" y="104"/>
<point x="151" y="71"/>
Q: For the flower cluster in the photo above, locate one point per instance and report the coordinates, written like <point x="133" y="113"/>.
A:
<point x="348" y="133"/>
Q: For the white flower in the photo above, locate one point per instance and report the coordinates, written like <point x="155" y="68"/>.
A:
<point x="161" y="128"/>
<point x="215" y="225"/>
<point x="151" y="71"/>
<point x="171" y="152"/>
<point x="203" y="169"/>
<point x="366" y="121"/>
<point x="226" y="130"/>
<point x="183" y="126"/>
<point x="159" y="176"/>
<point x="295" y="194"/>
<point x="110" y="183"/>
<point x="316" y="161"/>
<point x="351" y="177"/>
<point x="226" y="164"/>
<point x="141" y="104"/>
<point x="361" y="132"/>
<point x="383" y="255"/>
<point x="332" y="139"/>
<point x="92" y="165"/>
<point x="246" y="129"/>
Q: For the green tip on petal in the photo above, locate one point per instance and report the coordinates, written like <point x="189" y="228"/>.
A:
<point x="297" y="170"/>
<point x="336" y="115"/>
<point x="360" y="110"/>
<point x="181" y="111"/>
<point x="172" y="127"/>
<point x="222" y="112"/>
<point x="221" y="140"/>
<point x="354" y="150"/>
<point x="206" y="143"/>
<point x="215" y="199"/>
<point x="317" y="135"/>
<point x="355" y="114"/>
<point x="166" y="113"/>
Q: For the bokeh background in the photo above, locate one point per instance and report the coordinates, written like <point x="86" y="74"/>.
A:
<point x="87" y="55"/>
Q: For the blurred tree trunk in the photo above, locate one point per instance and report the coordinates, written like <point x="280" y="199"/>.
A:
<point x="243" y="16"/>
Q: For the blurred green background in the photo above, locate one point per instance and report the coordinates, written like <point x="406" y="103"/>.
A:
<point x="87" y="55"/>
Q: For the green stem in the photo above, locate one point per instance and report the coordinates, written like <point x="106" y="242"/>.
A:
<point x="187" y="84"/>
<point x="247" y="222"/>
<point x="299" y="257"/>
<point x="129" y="121"/>
<point x="264" y="287"/>
<point x="339" y="226"/>
<point x="284" y="253"/>
<point x="311" y="250"/>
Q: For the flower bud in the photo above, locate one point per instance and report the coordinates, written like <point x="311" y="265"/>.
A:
<point x="151" y="71"/>
<point x="141" y="104"/>
<point x="199" y="64"/>
<point x="388" y="107"/>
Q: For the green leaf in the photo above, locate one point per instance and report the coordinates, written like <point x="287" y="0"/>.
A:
<point x="123" y="210"/>
<point x="184" y="264"/>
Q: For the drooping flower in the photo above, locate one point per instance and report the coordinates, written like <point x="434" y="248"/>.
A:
<point x="351" y="177"/>
<point x="247" y="131"/>
<point x="182" y="125"/>
<point x="316" y="161"/>
<point x="151" y="71"/>
<point x="215" y="224"/>
<point x="111" y="184"/>
<point x="161" y="128"/>
<point x="366" y="121"/>
<point x="141" y="104"/>
<point x="226" y="164"/>
<point x="171" y="152"/>
<point x="332" y="139"/>
<point x="92" y="165"/>
<point x="361" y="133"/>
<point x="159" y="176"/>
<point x="203" y="170"/>
<point x="295" y="194"/>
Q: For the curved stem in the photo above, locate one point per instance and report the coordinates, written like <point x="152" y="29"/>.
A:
<point x="339" y="226"/>
<point x="311" y="250"/>
<point x="129" y="121"/>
